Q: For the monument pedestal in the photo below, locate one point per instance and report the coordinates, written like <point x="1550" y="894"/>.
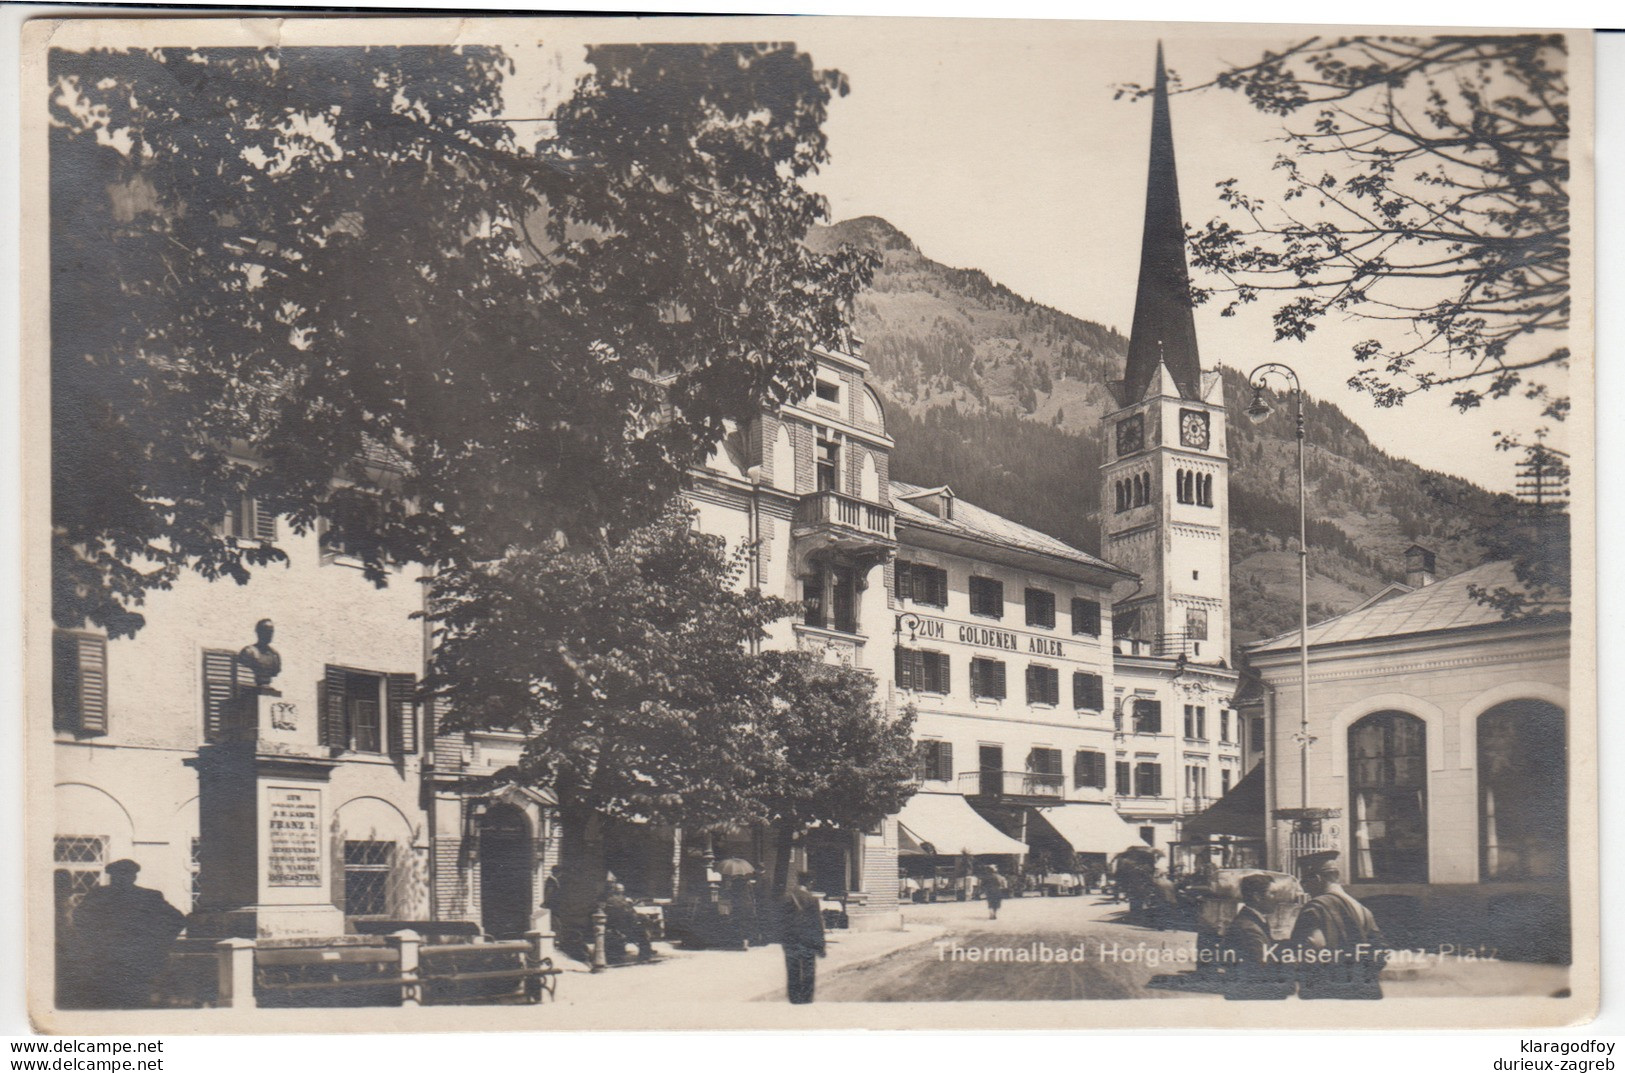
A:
<point x="264" y="856"/>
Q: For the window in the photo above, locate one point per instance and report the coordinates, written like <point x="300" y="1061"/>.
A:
<point x="78" y="870"/>
<point x="1225" y="775"/>
<point x="1147" y="716"/>
<point x="1126" y="621"/>
<point x="79" y="683"/>
<point x="1086" y="618"/>
<point x="987" y="678"/>
<point x="1088" y="691"/>
<point x="1147" y="779"/>
<point x="1184" y="486"/>
<point x="1125" y="778"/>
<point x="219" y="693"/>
<point x="1196" y="784"/>
<point x="986" y="597"/>
<point x="1522" y="792"/>
<point x="194" y="868"/>
<point x="1224" y="726"/>
<point x="250" y="521"/>
<point x="1196" y="722"/>
<point x="1043" y="685"/>
<point x="366" y="878"/>
<point x="828" y="465"/>
<point x="1196" y="623"/>
<point x="1088" y="770"/>
<point x="368" y="712"/>
<point x="1044" y="774"/>
<point x="1388" y="788"/>
<point x="1041" y="608"/>
<point x="924" y="671"/>
<point x="936" y="761"/>
<point x="922" y="584"/>
<point x="829" y="392"/>
<point x="1148" y="835"/>
<point x="829" y="597"/>
<point x="1257" y="733"/>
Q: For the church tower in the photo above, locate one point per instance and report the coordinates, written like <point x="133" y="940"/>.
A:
<point x="1165" y="502"/>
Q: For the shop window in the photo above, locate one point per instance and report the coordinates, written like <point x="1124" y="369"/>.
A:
<point x="367" y="867"/>
<point x="926" y="672"/>
<point x="936" y="761"/>
<point x="1043" y="685"/>
<point x="1040" y="608"/>
<point x="1522" y="792"/>
<point x="79" y="683"/>
<point x="986" y="597"/>
<point x="1388" y="790"/>
<point x="1088" y="691"/>
<point x="987" y="678"/>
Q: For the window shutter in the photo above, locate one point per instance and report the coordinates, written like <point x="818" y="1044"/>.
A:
<point x="335" y="718"/>
<point x="900" y="581"/>
<point x="976" y="666"/>
<point x="1086" y="617"/>
<point x="403" y="714"/>
<point x="79" y="683"/>
<point x="1125" y="783"/>
<point x="905" y="669"/>
<point x="1034" y="689"/>
<point x="264" y="521"/>
<point x="945" y="761"/>
<point x="936" y="672"/>
<point x="219" y="692"/>
<point x="999" y="689"/>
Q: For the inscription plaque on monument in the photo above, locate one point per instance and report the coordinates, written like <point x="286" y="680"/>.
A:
<point x="293" y="828"/>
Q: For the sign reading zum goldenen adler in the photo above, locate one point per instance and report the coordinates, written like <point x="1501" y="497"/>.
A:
<point x="930" y="629"/>
<point x="293" y="827"/>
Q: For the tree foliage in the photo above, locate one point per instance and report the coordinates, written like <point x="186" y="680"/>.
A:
<point x="340" y="265"/>
<point x="1426" y="186"/>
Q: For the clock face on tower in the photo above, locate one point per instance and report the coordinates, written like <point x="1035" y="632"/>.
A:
<point x="1130" y="435"/>
<point x="1193" y="429"/>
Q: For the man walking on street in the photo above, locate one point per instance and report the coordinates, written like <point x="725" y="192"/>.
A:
<point x="801" y="930"/>
<point x="1337" y="938"/>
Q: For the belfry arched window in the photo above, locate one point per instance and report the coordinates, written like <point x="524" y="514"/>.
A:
<point x="1388" y="807"/>
<point x="1523" y="820"/>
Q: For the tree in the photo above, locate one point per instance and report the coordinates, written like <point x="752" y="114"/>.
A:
<point x="1426" y="186"/>
<point x="627" y="664"/>
<point x="431" y="341"/>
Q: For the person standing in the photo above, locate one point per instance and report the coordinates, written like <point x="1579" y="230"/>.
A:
<point x="996" y="886"/>
<point x="1248" y="950"/>
<point x="123" y="934"/>
<point x="801" y="930"/>
<point x="1341" y="950"/>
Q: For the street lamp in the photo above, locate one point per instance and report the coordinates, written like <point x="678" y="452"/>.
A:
<point x="1307" y="819"/>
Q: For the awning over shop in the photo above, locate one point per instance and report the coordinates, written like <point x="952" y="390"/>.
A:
<point x="946" y="824"/>
<point x="1239" y="813"/>
<point x="1090" y="828"/>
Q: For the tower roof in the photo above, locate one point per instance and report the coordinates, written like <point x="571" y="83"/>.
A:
<point x="1164" y="331"/>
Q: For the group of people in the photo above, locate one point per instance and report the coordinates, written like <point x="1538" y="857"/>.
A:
<point x="1336" y="950"/>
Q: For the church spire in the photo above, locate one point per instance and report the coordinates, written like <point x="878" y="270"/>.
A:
<point x="1164" y="330"/>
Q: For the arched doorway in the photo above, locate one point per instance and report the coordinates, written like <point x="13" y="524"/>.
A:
<point x="1523" y="805"/>
<point x="507" y="872"/>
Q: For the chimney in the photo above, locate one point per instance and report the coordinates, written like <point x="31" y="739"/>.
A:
<point x="1419" y="567"/>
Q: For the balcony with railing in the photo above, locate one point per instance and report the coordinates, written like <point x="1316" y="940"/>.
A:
<point x="847" y="521"/>
<point x="1013" y="785"/>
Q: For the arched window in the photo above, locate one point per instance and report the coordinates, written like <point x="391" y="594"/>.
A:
<point x="1523" y="820"/>
<point x="1388" y="808"/>
<point x="1144" y="482"/>
<point x="1121" y="488"/>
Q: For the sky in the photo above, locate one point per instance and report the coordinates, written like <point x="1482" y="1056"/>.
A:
<point x="998" y="145"/>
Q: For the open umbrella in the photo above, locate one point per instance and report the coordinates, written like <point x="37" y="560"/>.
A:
<point x="735" y="866"/>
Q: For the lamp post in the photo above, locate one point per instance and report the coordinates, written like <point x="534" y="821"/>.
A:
<point x="1306" y="818"/>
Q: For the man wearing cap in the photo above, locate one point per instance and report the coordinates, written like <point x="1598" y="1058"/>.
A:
<point x="123" y="934"/>
<point x="1251" y="969"/>
<point x="1340" y="949"/>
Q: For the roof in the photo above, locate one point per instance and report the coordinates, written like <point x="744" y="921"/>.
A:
<point x="975" y="523"/>
<point x="945" y="824"/>
<point x="1444" y="605"/>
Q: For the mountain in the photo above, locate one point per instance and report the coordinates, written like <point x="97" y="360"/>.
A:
<point x="1001" y="398"/>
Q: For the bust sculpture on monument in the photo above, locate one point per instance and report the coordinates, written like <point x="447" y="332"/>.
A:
<point x="260" y="658"/>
